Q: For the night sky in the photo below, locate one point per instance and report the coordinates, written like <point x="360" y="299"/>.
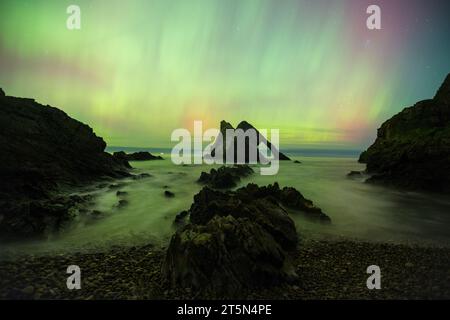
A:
<point x="139" y="69"/>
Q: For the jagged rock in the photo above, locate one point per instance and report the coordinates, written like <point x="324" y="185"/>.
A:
<point x="296" y="161"/>
<point x="252" y="199"/>
<point x="287" y="197"/>
<point x="209" y="202"/>
<point x="244" y="125"/>
<point x="43" y="150"/>
<point x="137" y="156"/>
<point x="292" y="198"/>
<point x="235" y="240"/>
<point x="412" y="149"/>
<point x="225" y="177"/>
<point x="122" y="158"/>
<point x="143" y="156"/>
<point x="225" y="256"/>
<point x="443" y="94"/>
<point x="180" y="218"/>
<point x="226" y="146"/>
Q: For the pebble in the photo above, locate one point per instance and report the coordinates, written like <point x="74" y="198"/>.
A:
<point x="321" y="278"/>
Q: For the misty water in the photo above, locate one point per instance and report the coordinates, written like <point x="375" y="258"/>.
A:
<point x="358" y="210"/>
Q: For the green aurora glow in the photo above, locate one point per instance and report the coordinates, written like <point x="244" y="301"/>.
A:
<point x="139" y="69"/>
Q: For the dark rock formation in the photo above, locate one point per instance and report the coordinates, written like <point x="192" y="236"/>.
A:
<point x="288" y="197"/>
<point x="137" y="156"/>
<point x="224" y="257"/>
<point x="235" y="240"/>
<point x="443" y="94"/>
<point x="44" y="151"/>
<point x="412" y="149"/>
<point x="225" y="177"/>
<point x="169" y="194"/>
<point x="180" y="219"/>
<point x="245" y="203"/>
<point x="121" y="158"/>
<point x="296" y="161"/>
<point x="244" y="126"/>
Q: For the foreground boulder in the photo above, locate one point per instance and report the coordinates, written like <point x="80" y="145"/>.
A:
<point x="224" y="257"/>
<point x="44" y="151"/>
<point x="225" y="177"/>
<point x="230" y="241"/>
<point x="263" y="210"/>
<point x="412" y="149"/>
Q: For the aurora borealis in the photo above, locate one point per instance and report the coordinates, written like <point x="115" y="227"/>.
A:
<point x="139" y="69"/>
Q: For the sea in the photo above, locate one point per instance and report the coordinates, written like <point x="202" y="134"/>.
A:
<point x="359" y="211"/>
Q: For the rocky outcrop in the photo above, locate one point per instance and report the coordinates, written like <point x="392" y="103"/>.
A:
<point x="224" y="257"/>
<point x="412" y="149"/>
<point x="226" y="146"/>
<point x="230" y="241"/>
<point x="225" y="177"/>
<point x="136" y="156"/>
<point x="44" y="151"/>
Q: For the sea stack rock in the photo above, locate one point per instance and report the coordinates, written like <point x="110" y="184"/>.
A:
<point x="412" y="149"/>
<point x="44" y="150"/>
<point x="244" y="126"/>
<point x="443" y="94"/>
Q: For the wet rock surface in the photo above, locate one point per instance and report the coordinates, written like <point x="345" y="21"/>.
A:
<point x="236" y="240"/>
<point x="224" y="256"/>
<point x="412" y="149"/>
<point x="225" y="177"/>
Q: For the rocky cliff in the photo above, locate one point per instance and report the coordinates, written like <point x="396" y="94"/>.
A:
<point x="412" y="149"/>
<point x="43" y="151"/>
